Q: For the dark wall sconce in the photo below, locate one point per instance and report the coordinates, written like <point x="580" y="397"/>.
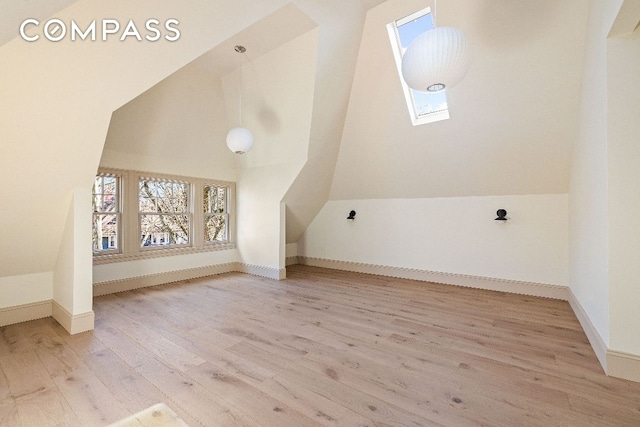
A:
<point x="352" y="215"/>
<point x="502" y="215"/>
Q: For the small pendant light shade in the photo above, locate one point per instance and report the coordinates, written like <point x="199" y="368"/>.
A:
<point x="436" y="60"/>
<point x="239" y="140"/>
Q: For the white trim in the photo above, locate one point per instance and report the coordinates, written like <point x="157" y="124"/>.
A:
<point x="162" y="252"/>
<point x="122" y="285"/>
<point x="258" y="270"/>
<point x="415" y="15"/>
<point x="293" y="260"/>
<point x="25" y="312"/>
<point x="623" y="365"/>
<point x="489" y="283"/>
<point x="74" y="324"/>
<point x="113" y="286"/>
<point x="597" y="343"/>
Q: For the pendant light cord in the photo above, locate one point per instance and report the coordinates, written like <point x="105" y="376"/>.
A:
<point x="241" y="50"/>
<point x="435" y="6"/>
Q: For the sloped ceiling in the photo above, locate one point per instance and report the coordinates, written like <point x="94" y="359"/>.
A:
<point x="628" y="18"/>
<point x="271" y="32"/>
<point x="513" y="117"/>
<point x="14" y="12"/>
<point x="182" y="121"/>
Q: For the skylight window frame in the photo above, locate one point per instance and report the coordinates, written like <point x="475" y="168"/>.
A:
<point x="398" y="51"/>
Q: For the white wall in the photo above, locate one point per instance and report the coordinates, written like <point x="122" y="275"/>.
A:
<point x="13" y="13"/>
<point x="146" y="267"/>
<point x="453" y="235"/>
<point x="72" y="283"/>
<point x="589" y="235"/>
<point x="177" y="127"/>
<point x="623" y="78"/>
<point x="280" y="119"/>
<point x="26" y="289"/>
<point x="340" y="25"/>
<point x="426" y="196"/>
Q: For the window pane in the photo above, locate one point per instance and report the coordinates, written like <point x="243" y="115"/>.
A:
<point x="148" y="188"/>
<point x="215" y="199"/>
<point x="216" y="228"/>
<point x="163" y="196"/>
<point x="164" y="208"/>
<point x="412" y="29"/>
<point x="106" y="208"/>
<point x="423" y="106"/>
<point x="163" y="229"/>
<point x="109" y="183"/>
<point x="105" y="232"/>
<point x="109" y="203"/>
<point x="97" y="202"/>
<point x="148" y="205"/>
<point x="426" y="103"/>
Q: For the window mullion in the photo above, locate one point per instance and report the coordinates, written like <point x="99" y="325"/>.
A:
<point x="133" y="223"/>
<point x="197" y="223"/>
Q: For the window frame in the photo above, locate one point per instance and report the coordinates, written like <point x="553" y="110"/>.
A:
<point x="225" y="214"/>
<point x="117" y="213"/>
<point x="398" y="51"/>
<point x="189" y="214"/>
<point x="130" y="228"/>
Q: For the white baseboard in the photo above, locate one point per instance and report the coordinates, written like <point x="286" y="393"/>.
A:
<point x="615" y="363"/>
<point x="623" y="365"/>
<point x="258" y="270"/>
<point x="131" y="283"/>
<point x="597" y="343"/>
<point x="25" y="312"/>
<point x="74" y="324"/>
<point x="293" y="260"/>
<point x="39" y="310"/>
<point x="111" y="287"/>
<point x="487" y="283"/>
<point x="78" y="323"/>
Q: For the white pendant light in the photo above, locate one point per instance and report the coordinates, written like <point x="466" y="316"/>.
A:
<point x="436" y="60"/>
<point x="240" y="139"/>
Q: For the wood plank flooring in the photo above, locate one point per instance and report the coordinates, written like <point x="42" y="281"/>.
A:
<point x="322" y="348"/>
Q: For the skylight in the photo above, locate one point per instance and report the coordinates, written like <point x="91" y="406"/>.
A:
<point x="423" y="107"/>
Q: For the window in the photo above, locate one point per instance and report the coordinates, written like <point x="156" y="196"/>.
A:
<point x="215" y="213"/>
<point x="423" y="107"/>
<point x="106" y="213"/>
<point x="164" y="212"/>
<point x="141" y="215"/>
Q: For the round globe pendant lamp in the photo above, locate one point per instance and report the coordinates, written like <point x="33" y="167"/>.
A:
<point x="240" y="139"/>
<point x="436" y="60"/>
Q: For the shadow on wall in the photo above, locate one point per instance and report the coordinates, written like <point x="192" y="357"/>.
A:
<point x="269" y="119"/>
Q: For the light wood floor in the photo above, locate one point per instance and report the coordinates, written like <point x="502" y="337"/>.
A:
<point x="321" y="348"/>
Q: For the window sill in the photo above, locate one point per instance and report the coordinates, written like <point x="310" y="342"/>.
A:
<point x="159" y="253"/>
